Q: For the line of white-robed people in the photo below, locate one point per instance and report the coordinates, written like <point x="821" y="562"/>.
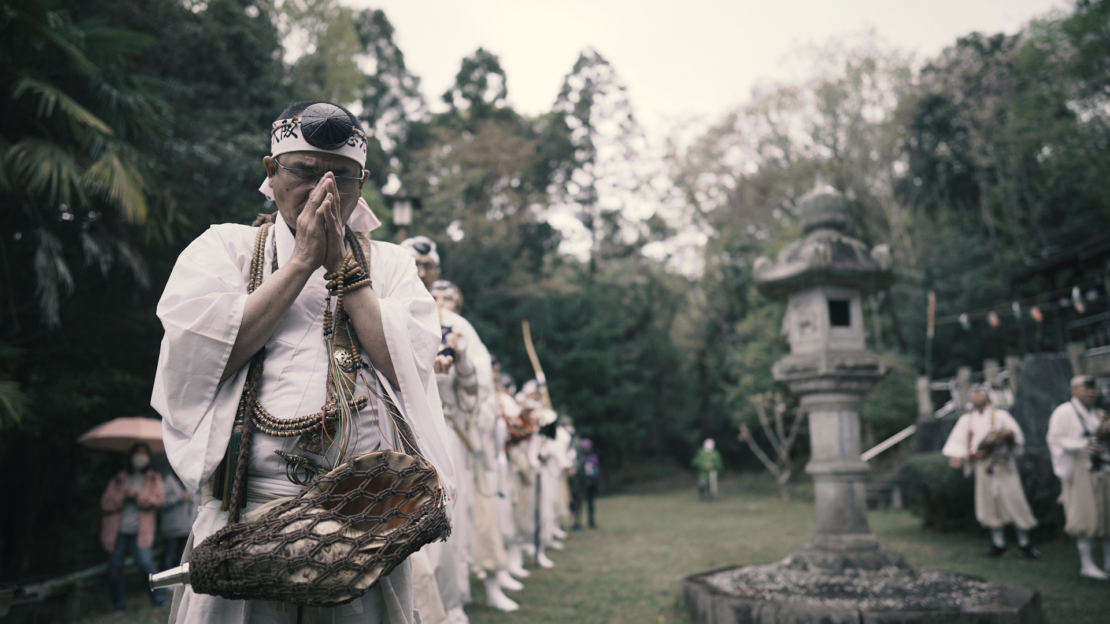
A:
<point x="457" y="416"/>
<point x="986" y="442"/>
<point x="512" y="458"/>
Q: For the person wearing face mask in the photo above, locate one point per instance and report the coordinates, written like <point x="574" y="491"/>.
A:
<point x="129" y="504"/>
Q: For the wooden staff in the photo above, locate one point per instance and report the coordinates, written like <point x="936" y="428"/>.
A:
<point x="542" y="381"/>
<point x="540" y="378"/>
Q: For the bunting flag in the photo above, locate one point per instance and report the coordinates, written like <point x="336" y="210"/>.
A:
<point x="1076" y="298"/>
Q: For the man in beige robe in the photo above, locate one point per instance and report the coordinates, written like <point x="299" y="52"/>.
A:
<point x="1082" y="464"/>
<point x="999" y="497"/>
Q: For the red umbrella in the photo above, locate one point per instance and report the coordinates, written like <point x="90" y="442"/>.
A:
<point x="121" y="434"/>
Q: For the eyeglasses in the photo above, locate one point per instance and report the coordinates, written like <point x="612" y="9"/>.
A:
<point x="306" y="179"/>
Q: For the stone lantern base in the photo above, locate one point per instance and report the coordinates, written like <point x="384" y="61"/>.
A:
<point x="781" y="593"/>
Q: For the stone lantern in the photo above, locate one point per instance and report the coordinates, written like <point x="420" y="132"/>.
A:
<point x="824" y="278"/>
<point x="842" y="575"/>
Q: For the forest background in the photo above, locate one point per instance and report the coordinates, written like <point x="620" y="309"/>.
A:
<point x="129" y="127"/>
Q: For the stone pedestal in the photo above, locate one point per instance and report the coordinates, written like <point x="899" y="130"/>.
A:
<point x="766" y="595"/>
<point x="831" y="386"/>
<point x="842" y="575"/>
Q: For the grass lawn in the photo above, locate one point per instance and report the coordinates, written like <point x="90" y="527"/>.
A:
<point x="631" y="568"/>
<point x="629" y="571"/>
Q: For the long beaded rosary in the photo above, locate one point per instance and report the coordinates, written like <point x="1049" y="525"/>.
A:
<point x="341" y="408"/>
<point x="338" y="423"/>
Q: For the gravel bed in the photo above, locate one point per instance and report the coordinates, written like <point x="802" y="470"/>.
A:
<point x="889" y="589"/>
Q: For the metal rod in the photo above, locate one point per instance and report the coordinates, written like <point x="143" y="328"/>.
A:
<point x="894" y="439"/>
<point x="171" y="577"/>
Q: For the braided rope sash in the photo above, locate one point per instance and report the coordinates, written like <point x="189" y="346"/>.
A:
<point x="335" y="540"/>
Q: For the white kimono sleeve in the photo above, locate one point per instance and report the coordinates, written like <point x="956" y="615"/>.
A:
<point x="1065" y="439"/>
<point x="956" y="445"/>
<point x="201" y="310"/>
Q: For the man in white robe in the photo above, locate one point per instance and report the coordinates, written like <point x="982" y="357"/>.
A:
<point x="517" y="478"/>
<point x="495" y="442"/>
<point x="1082" y="464"/>
<point x="541" y="450"/>
<point x="456" y="377"/>
<point x="556" y="499"/>
<point x="488" y="550"/>
<point x="213" y="329"/>
<point x="999" y="497"/>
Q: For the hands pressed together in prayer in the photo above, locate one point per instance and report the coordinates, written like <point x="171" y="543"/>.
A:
<point x="319" y="228"/>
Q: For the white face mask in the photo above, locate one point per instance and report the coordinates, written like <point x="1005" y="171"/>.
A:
<point x="138" y="462"/>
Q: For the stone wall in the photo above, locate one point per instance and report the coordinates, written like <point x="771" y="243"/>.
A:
<point x="1042" y="385"/>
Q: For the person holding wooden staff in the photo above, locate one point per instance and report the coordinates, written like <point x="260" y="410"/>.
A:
<point x="534" y="406"/>
<point x="520" y="473"/>
<point x="986" y="442"/>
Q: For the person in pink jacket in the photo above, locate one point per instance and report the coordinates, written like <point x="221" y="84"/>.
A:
<point x="130" y="503"/>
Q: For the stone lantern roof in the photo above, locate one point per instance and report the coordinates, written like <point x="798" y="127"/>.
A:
<point x="827" y="256"/>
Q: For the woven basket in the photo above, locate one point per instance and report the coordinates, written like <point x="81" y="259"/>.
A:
<point x="995" y="440"/>
<point x="331" y="543"/>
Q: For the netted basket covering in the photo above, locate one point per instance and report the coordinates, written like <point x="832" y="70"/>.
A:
<point x="1103" y="431"/>
<point x="332" y="542"/>
<point x="996" y="440"/>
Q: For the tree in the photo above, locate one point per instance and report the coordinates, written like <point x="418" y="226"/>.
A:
<point x="390" y="96"/>
<point x="737" y="184"/>
<point x="70" y="164"/>
<point x="778" y="433"/>
<point x="596" y="143"/>
<point x="479" y="93"/>
<point x="217" y="71"/>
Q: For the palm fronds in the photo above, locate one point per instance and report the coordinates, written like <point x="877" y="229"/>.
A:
<point x="120" y="183"/>
<point x="46" y="170"/>
<point x="51" y="96"/>
<point x="71" y="160"/>
<point x="13" y="403"/>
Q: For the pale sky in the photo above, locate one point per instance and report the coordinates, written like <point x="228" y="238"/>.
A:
<point x="685" y="63"/>
<point x="695" y="58"/>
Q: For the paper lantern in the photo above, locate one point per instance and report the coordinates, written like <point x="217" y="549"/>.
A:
<point x="1077" y="300"/>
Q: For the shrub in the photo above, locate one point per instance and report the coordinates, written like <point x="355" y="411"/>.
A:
<point x="946" y="500"/>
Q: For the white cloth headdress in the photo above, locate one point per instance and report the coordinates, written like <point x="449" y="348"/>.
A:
<point x="323" y="127"/>
<point x="422" y="246"/>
